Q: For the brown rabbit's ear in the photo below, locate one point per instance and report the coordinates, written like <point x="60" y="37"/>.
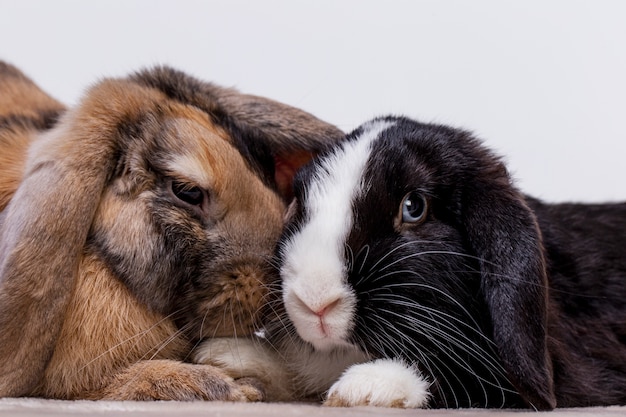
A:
<point x="273" y="136"/>
<point x="23" y="101"/>
<point x="45" y="228"/>
<point x="25" y="110"/>
<point x="292" y="136"/>
<point x="505" y="236"/>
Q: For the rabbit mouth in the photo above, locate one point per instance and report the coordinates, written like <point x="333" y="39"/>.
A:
<point x="229" y="307"/>
<point x="323" y="320"/>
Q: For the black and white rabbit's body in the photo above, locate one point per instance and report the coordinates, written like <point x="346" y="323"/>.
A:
<point x="409" y="247"/>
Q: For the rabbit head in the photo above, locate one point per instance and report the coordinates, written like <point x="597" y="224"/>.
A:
<point x="409" y="241"/>
<point x="175" y="186"/>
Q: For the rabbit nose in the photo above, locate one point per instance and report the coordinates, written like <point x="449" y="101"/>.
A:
<point x="321" y="312"/>
<point x="319" y="309"/>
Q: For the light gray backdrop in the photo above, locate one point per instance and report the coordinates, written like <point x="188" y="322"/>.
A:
<point x="541" y="81"/>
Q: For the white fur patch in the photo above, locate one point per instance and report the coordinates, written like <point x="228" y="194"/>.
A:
<point x="192" y="162"/>
<point x="284" y="378"/>
<point x="314" y="266"/>
<point x="241" y="358"/>
<point x="192" y="168"/>
<point x="382" y="383"/>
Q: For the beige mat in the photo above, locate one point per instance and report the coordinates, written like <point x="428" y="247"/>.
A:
<point x="37" y="407"/>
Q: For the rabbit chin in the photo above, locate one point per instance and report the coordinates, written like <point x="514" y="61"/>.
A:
<point x="324" y="342"/>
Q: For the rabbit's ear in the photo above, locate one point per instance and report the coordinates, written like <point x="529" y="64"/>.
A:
<point x="23" y="102"/>
<point x="25" y="109"/>
<point x="278" y="137"/>
<point x="45" y="228"/>
<point x="504" y="233"/>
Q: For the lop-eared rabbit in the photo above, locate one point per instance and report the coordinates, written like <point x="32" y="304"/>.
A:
<point x="415" y="274"/>
<point x="134" y="224"/>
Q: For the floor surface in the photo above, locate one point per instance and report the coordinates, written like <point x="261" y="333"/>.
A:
<point x="29" y="407"/>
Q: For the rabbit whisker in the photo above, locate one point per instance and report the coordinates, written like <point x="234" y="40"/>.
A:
<point x="444" y="321"/>
<point x="365" y="250"/>
<point x="445" y="328"/>
<point x="135" y="338"/>
<point x="282" y="320"/>
<point x="464" y="344"/>
<point x="218" y="324"/>
<point x="474" y="351"/>
<point x="428" y="252"/>
<point x="405" y="301"/>
<point x="350" y="255"/>
<point x="397" y="248"/>
<point x="204" y="317"/>
<point x="400" y="335"/>
<point x="379" y="344"/>
<point x="493" y="274"/>
<point x="166" y="342"/>
<point x="432" y="288"/>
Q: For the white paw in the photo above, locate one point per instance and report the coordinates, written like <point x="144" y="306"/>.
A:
<point x="244" y="358"/>
<point x="241" y="357"/>
<point x="381" y="383"/>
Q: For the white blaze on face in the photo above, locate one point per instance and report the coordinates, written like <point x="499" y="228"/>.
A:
<point x="317" y="297"/>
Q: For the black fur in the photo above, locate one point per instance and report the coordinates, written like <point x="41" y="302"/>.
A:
<point x="501" y="300"/>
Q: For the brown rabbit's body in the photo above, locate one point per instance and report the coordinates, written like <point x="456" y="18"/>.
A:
<point x="140" y="222"/>
<point x="89" y="352"/>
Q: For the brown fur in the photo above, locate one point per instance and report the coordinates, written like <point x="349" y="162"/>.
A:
<point x="89" y="351"/>
<point x="24" y="110"/>
<point x="107" y="275"/>
<point x="21" y="97"/>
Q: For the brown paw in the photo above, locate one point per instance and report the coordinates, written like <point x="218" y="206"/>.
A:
<point x="172" y="380"/>
<point x="252" y="388"/>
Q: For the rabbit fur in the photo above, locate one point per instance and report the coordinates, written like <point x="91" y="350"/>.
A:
<point x="134" y="224"/>
<point x="409" y="246"/>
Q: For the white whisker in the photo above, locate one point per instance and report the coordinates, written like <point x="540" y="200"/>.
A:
<point x="130" y="339"/>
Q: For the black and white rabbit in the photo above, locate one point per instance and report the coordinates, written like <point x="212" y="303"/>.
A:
<point x="411" y="261"/>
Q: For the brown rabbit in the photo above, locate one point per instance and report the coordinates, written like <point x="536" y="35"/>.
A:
<point x="134" y="225"/>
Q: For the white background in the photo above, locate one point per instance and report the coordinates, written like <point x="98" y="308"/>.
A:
<point x="543" y="82"/>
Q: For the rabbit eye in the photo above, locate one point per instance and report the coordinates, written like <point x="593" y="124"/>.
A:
<point x="189" y="194"/>
<point x="414" y="208"/>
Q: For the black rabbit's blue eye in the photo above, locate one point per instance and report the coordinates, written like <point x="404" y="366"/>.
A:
<point x="189" y="194"/>
<point x="414" y="208"/>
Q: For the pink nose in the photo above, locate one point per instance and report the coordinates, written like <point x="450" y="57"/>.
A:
<point x="321" y="312"/>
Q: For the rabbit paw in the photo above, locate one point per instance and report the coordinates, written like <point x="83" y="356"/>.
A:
<point x="172" y="380"/>
<point x="248" y="358"/>
<point x="381" y="383"/>
<point x="239" y="358"/>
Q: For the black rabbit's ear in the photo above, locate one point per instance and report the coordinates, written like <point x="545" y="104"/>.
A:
<point x="277" y="137"/>
<point x="504" y="233"/>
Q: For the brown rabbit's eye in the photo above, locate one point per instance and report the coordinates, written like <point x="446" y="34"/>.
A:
<point x="414" y="208"/>
<point x="189" y="194"/>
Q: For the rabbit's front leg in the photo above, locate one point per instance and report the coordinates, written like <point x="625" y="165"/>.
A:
<point x="178" y="381"/>
<point x="381" y="383"/>
<point x="249" y="358"/>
